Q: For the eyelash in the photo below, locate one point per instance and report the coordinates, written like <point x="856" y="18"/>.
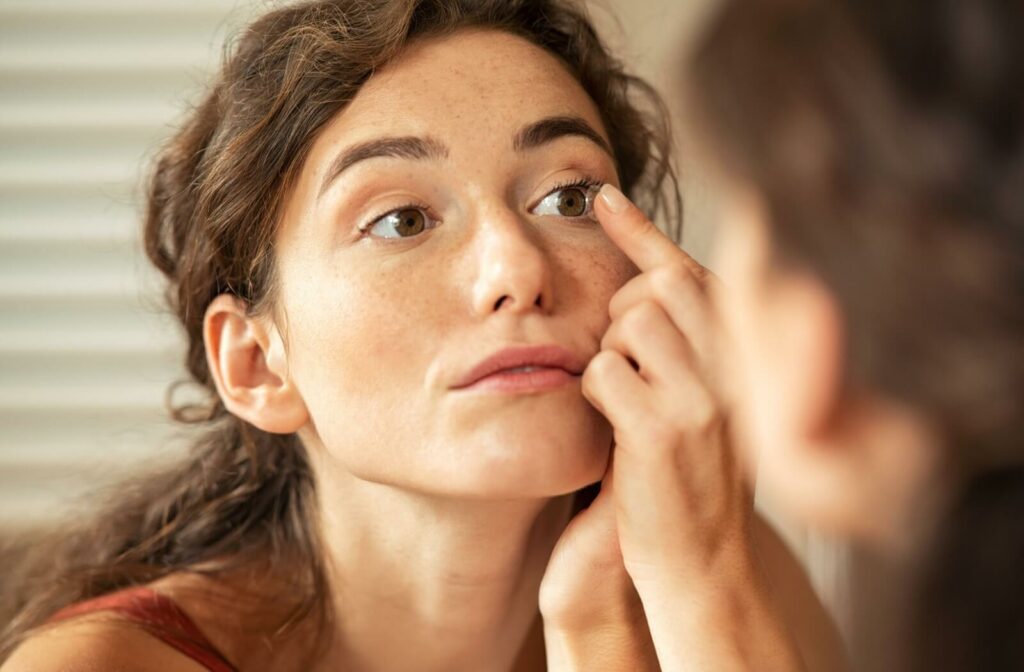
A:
<point x="364" y="229"/>
<point x="584" y="183"/>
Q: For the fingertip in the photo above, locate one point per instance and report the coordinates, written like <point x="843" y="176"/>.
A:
<point x="630" y="229"/>
<point x="613" y="199"/>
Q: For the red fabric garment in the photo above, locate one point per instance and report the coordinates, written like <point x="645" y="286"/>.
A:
<point x="160" y="616"/>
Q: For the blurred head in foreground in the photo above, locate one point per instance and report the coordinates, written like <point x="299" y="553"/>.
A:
<point x="871" y="157"/>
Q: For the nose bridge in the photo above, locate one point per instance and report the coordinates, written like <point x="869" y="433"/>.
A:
<point x="513" y="272"/>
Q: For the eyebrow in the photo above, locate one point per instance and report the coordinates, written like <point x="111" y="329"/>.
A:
<point x="416" y="148"/>
<point x="551" y="128"/>
<point x="408" y="147"/>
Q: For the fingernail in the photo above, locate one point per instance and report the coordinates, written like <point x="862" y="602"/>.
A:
<point x="613" y="199"/>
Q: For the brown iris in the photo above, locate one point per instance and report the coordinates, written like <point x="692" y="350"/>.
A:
<point x="410" y="222"/>
<point x="572" y="202"/>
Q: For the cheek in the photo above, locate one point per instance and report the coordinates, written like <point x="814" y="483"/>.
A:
<point x="332" y="336"/>
<point x="359" y="347"/>
<point x="599" y="270"/>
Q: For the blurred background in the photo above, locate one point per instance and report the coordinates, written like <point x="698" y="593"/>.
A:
<point x="88" y="89"/>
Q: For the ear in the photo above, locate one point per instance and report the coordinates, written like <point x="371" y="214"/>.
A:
<point x="812" y="467"/>
<point x="810" y="344"/>
<point x="843" y="471"/>
<point x="249" y="365"/>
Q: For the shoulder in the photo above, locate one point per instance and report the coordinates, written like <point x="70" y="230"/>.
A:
<point x="96" y="643"/>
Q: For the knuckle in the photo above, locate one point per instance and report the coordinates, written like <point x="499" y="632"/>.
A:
<point x="657" y="434"/>
<point x="557" y="603"/>
<point x="642" y="227"/>
<point x="601" y="365"/>
<point x="609" y="341"/>
<point x="661" y="434"/>
<point x="588" y="386"/>
<point x="595" y="373"/>
<point x="649" y="310"/>
<point x="704" y="274"/>
<point x="703" y="415"/>
<point x="638" y="320"/>
<point x="669" y="280"/>
<point x="618" y="304"/>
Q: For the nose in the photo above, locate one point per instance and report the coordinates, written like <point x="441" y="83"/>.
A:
<point x="514" y="271"/>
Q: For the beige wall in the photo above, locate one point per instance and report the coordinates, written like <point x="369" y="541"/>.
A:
<point x="652" y="37"/>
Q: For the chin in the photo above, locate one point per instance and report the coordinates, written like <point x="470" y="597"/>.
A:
<point x="536" y="457"/>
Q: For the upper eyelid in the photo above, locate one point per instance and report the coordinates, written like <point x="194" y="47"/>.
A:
<point x="584" y="183"/>
<point x="364" y="228"/>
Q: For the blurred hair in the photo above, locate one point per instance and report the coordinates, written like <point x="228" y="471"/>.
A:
<point x="244" y="498"/>
<point x="886" y="140"/>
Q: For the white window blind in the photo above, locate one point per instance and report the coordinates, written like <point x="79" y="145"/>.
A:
<point x="88" y="88"/>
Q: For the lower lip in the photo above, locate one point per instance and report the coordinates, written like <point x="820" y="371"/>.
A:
<point x="537" y="380"/>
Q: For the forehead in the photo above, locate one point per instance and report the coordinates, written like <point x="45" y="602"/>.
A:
<point x="472" y="88"/>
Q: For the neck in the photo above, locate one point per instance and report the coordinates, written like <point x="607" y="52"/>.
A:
<point x="430" y="583"/>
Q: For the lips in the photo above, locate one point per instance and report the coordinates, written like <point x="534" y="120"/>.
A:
<point x="542" y="362"/>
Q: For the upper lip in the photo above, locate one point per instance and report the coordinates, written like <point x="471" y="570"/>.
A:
<point x="547" y="356"/>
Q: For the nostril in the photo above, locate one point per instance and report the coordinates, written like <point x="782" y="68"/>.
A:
<point x="538" y="302"/>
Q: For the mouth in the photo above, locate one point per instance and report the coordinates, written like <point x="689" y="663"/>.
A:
<point x="523" y="369"/>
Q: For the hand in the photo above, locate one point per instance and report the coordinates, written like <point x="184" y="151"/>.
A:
<point x="593" y="618"/>
<point x="683" y="510"/>
<point x="682" y="503"/>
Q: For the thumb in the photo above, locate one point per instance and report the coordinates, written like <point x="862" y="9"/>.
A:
<point x="591" y="538"/>
<point x="585" y="577"/>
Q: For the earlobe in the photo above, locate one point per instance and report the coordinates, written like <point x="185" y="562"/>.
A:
<point x="248" y="364"/>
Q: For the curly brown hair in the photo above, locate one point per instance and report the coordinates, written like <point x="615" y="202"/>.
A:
<point x="244" y="497"/>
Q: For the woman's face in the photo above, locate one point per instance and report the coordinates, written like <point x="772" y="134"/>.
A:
<point x="430" y="228"/>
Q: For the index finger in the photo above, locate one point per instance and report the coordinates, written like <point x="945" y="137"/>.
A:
<point x="633" y="233"/>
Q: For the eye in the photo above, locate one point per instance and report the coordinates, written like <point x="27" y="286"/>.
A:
<point x="573" y="201"/>
<point x="403" y="223"/>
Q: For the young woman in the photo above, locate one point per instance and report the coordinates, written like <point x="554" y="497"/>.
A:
<point x="377" y="231"/>
<point x="871" y="157"/>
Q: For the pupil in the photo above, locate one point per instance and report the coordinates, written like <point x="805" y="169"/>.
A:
<point x="410" y="222"/>
<point x="572" y="202"/>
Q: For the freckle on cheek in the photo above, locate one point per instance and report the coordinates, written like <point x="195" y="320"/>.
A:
<point x="610" y="273"/>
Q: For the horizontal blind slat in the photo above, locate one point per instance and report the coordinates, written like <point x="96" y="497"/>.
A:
<point x="88" y="90"/>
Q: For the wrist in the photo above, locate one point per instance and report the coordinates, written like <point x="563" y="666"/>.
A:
<point x="609" y="604"/>
<point x="609" y="646"/>
<point x="585" y="620"/>
<point x="725" y="620"/>
<point x="709" y="582"/>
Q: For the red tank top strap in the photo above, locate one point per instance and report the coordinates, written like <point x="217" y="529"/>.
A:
<point x="160" y="616"/>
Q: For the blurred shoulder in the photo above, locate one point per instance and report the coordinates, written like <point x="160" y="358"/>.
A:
<point x="95" y="643"/>
<point x="812" y="626"/>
